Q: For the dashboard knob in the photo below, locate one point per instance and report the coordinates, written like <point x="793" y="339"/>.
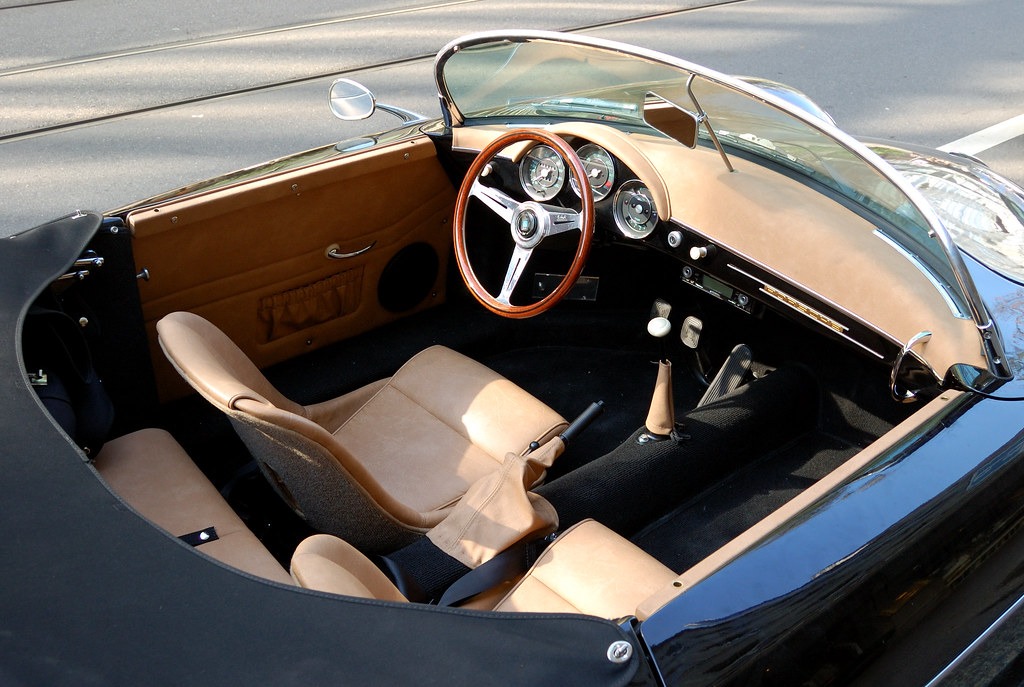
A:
<point x="675" y="239"/>
<point x="701" y="252"/>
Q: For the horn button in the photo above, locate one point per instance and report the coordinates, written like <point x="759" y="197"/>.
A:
<point x="532" y="222"/>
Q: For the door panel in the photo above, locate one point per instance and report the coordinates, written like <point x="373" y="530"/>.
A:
<point x="253" y="258"/>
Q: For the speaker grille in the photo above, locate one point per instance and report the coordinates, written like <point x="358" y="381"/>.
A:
<point x="408" y="278"/>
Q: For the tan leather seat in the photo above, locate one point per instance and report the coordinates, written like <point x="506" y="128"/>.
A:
<point x="328" y="564"/>
<point x="588" y="569"/>
<point x="377" y="466"/>
<point x="152" y="472"/>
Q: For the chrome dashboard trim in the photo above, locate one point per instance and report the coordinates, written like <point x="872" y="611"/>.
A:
<point x="807" y="311"/>
<point x="740" y="254"/>
<point x="916" y="262"/>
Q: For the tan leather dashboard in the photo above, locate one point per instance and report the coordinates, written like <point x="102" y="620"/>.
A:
<point x="806" y="239"/>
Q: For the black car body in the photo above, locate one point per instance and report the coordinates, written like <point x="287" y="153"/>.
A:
<point x="867" y="473"/>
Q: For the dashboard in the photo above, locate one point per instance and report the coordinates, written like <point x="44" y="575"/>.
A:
<point x="752" y="237"/>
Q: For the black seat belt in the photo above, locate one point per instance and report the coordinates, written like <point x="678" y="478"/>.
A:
<point x="504" y="566"/>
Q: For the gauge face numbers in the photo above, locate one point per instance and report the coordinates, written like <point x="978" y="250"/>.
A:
<point x="600" y="170"/>
<point x="635" y="214"/>
<point x="542" y="172"/>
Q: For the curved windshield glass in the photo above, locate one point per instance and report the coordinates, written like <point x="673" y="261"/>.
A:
<point x="541" y="78"/>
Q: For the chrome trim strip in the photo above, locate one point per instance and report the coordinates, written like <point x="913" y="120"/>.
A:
<point x="985" y="635"/>
<point x="916" y="262"/>
<point x="804" y="309"/>
<point x="807" y="311"/>
<point x="852" y="316"/>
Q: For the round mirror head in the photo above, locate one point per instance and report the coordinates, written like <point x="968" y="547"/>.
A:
<point x="351" y="100"/>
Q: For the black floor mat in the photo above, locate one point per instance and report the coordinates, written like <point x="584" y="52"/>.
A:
<point x="709" y="520"/>
<point x="569" y="378"/>
<point x="639" y="482"/>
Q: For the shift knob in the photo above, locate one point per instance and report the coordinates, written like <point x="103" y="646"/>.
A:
<point x="659" y="327"/>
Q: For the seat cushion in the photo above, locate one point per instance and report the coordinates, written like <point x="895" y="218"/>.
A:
<point x="588" y="569"/>
<point x="439" y="424"/>
<point x="151" y="471"/>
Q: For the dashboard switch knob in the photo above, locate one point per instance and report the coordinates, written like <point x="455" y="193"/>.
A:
<point x="702" y="252"/>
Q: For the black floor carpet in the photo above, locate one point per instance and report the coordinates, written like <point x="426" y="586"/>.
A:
<point x="569" y="378"/>
<point x="707" y="521"/>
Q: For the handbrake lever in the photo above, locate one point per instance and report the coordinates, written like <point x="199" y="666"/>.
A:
<point x="581" y="422"/>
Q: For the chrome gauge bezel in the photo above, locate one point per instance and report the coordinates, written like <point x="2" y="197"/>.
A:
<point x="600" y="168"/>
<point x="533" y="170"/>
<point x="633" y="223"/>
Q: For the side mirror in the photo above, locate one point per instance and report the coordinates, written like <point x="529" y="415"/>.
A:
<point x="351" y="101"/>
<point x="671" y="119"/>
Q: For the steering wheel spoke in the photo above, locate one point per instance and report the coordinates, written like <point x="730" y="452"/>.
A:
<point x="529" y="223"/>
<point x="516" y="266"/>
<point x="561" y="220"/>
<point x="497" y="200"/>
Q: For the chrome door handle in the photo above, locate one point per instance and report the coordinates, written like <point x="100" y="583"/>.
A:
<point x="333" y="253"/>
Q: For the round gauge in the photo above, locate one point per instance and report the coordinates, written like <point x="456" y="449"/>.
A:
<point x="542" y="172"/>
<point x="635" y="214"/>
<point x="600" y="170"/>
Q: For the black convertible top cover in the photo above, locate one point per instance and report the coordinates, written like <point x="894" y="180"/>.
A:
<point x="95" y="595"/>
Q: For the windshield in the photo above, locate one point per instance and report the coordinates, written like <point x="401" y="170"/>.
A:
<point x="549" y="78"/>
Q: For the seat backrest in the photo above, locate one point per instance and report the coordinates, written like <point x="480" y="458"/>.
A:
<point x="303" y="462"/>
<point x="588" y="569"/>
<point x="332" y="565"/>
<point x="213" y="365"/>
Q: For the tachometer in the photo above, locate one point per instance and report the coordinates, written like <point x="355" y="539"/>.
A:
<point x="635" y="213"/>
<point x="600" y="170"/>
<point x="542" y="172"/>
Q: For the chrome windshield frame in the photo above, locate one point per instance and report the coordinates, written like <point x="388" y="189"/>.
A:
<point x="990" y="337"/>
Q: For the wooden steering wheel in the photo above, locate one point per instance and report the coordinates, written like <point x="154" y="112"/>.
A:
<point x="530" y="223"/>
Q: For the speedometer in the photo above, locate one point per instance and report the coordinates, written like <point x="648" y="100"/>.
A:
<point x="635" y="214"/>
<point x="600" y="170"/>
<point x="542" y="172"/>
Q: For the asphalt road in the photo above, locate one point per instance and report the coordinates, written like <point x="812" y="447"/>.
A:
<point x="102" y="103"/>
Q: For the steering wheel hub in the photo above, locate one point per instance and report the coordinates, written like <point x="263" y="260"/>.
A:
<point x="527" y="224"/>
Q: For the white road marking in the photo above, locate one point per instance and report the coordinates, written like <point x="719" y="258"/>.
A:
<point x="987" y="138"/>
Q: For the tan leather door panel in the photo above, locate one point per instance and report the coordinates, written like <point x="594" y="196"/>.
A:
<point x="253" y="257"/>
